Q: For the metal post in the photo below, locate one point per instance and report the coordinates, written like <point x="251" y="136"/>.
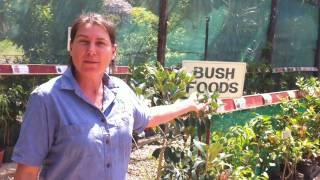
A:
<point x="317" y="54"/>
<point x="206" y="39"/>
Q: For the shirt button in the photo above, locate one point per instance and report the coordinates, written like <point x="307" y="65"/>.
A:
<point x="108" y="165"/>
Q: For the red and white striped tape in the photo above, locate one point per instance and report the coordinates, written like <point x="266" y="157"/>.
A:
<point x="254" y="101"/>
<point x="227" y="105"/>
<point x="294" y="69"/>
<point x="45" y="69"/>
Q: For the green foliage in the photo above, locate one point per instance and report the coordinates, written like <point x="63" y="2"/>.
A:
<point x="261" y="79"/>
<point x="8" y="48"/>
<point x="12" y="102"/>
<point x="238" y="25"/>
<point x="139" y="45"/>
<point x="40" y="27"/>
<point x="252" y="151"/>
<point x="165" y="86"/>
<point x="14" y="93"/>
<point x="34" y="32"/>
<point x="310" y="87"/>
<point x="4" y="6"/>
<point x="138" y="36"/>
<point x="286" y="138"/>
<point x="159" y="85"/>
<point x="143" y="17"/>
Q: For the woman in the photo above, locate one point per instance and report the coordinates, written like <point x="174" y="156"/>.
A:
<point x="79" y="125"/>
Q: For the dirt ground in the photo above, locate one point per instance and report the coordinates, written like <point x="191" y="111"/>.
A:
<point x="142" y="165"/>
<point x="7" y="171"/>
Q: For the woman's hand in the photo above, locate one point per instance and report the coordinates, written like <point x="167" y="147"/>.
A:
<point x="195" y="105"/>
<point x="26" y="172"/>
<point x="166" y="113"/>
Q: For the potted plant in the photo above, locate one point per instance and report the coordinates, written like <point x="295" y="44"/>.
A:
<point x="4" y="113"/>
<point x="12" y="104"/>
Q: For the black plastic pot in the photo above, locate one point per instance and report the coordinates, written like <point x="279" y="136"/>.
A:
<point x="275" y="174"/>
<point x="305" y="170"/>
<point x="7" y="154"/>
<point x="309" y="168"/>
<point x="1" y="156"/>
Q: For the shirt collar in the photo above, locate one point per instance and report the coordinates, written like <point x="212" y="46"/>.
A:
<point x="69" y="82"/>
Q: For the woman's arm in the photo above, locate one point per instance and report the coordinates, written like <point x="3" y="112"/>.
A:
<point x="166" y="113"/>
<point x="26" y="172"/>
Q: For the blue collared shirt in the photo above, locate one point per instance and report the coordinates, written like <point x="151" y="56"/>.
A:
<point x="69" y="138"/>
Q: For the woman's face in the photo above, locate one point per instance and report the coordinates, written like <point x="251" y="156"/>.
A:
<point x="92" y="50"/>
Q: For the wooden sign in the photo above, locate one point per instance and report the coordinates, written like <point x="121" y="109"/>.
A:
<point x="225" y="77"/>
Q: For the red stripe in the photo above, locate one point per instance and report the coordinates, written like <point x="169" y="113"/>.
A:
<point x="254" y="101"/>
<point x="121" y="70"/>
<point x="228" y="104"/>
<point x="5" y="69"/>
<point x="279" y="96"/>
<point x="42" y="69"/>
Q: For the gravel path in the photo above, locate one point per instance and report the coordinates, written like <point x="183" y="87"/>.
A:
<point x="7" y="171"/>
<point x="142" y="165"/>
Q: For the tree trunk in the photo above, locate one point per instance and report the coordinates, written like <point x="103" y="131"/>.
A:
<point x="162" y="32"/>
<point x="267" y="55"/>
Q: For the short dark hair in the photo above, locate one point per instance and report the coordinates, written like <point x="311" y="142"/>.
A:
<point x="93" y="18"/>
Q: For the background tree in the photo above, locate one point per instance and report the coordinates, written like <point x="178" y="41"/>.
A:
<point x="33" y="33"/>
<point x="40" y="27"/>
<point x="138" y="37"/>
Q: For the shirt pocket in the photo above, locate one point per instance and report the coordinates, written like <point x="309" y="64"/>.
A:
<point x="74" y="130"/>
<point x="120" y="127"/>
<point x="79" y="139"/>
<point x="120" y="120"/>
